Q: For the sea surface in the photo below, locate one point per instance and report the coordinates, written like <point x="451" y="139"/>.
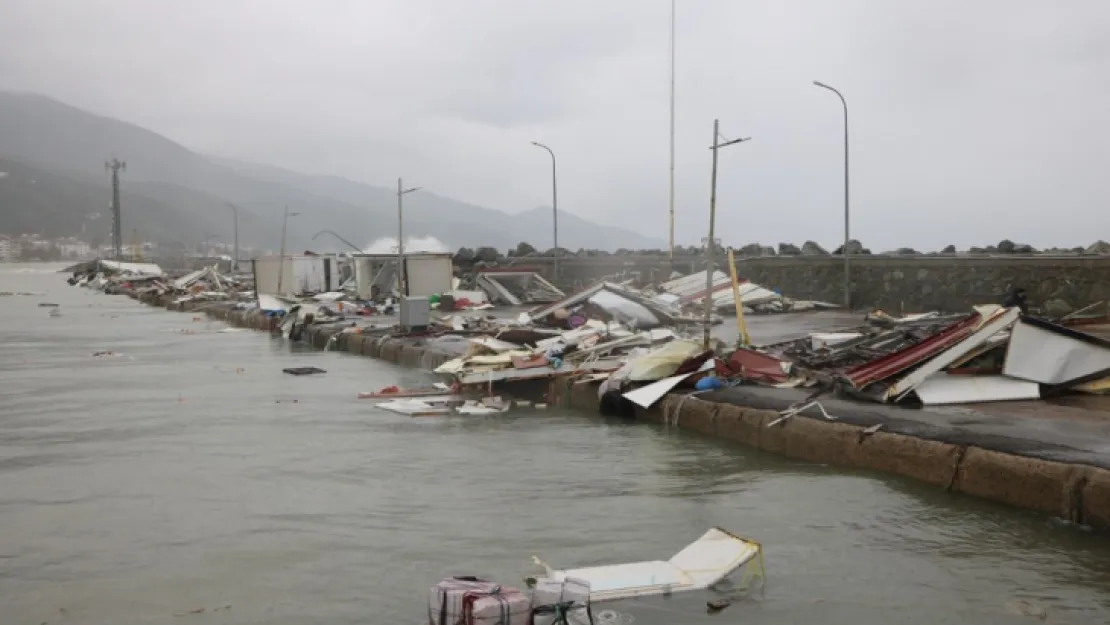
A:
<point x="185" y="479"/>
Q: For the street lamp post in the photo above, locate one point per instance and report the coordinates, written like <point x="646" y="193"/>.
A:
<point x="844" y="250"/>
<point x="402" y="279"/>
<point x="334" y="234"/>
<point x="284" y="228"/>
<point x="235" y="217"/>
<point x="709" y="247"/>
<point x="554" y="206"/>
<point x="672" y="128"/>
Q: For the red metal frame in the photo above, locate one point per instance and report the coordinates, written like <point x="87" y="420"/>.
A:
<point x="886" y="366"/>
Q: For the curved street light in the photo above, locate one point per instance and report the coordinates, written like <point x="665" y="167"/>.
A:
<point x="844" y="250"/>
<point x="332" y="233"/>
<point x="554" y="206"/>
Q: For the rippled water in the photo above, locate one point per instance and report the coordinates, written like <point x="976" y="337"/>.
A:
<point x="189" y="473"/>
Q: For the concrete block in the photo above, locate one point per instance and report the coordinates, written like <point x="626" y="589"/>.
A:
<point x="928" y="461"/>
<point x="321" y="337"/>
<point x="391" y="350"/>
<point x="1095" y="499"/>
<point x="354" y="344"/>
<point x="696" y="415"/>
<point x="411" y="355"/>
<point x="1023" y="482"/>
<point x="772" y="439"/>
<point x="825" y="442"/>
<point x="735" y="424"/>
<point x="372" y="347"/>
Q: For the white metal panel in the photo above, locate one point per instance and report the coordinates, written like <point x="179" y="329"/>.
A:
<point x="624" y="309"/>
<point x="646" y="396"/>
<point x="942" y="388"/>
<point x="428" y="275"/>
<point x="1048" y="357"/>
<point x="701" y="564"/>
<point x="266" y="275"/>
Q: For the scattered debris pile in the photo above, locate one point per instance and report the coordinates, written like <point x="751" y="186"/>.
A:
<point x="516" y="288"/>
<point x="993" y="353"/>
<point x="689" y="293"/>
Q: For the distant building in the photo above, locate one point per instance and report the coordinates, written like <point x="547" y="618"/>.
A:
<point x="9" y="250"/>
<point x="71" y="247"/>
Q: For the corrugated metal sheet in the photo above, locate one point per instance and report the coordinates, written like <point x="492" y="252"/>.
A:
<point x="998" y="323"/>
<point x="691" y="290"/>
<point x="886" y="366"/>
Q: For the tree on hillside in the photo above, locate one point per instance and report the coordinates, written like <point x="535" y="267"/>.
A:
<point x="523" y="249"/>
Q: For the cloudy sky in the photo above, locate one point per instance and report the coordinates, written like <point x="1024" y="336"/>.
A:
<point x="970" y="121"/>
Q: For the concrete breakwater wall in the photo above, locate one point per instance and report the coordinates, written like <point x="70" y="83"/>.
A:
<point x="893" y="283"/>
<point x="1074" y="492"/>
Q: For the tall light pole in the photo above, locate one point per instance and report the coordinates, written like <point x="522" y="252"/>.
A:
<point x="844" y="250"/>
<point x="235" y="217"/>
<point x="402" y="279"/>
<point x="281" y="265"/>
<point x="709" y="248"/>
<point x="672" y="126"/>
<point x="554" y="206"/>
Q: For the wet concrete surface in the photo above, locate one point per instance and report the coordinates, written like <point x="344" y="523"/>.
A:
<point x="1012" y="427"/>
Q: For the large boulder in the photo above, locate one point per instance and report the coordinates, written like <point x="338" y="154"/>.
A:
<point x="810" y="248"/>
<point x="1057" y="308"/>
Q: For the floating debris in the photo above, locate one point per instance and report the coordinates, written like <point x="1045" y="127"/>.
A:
<point x="303" y="370"/>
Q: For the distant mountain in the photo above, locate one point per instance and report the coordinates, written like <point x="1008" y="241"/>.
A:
<point x="184" y="193"/>
<point x="33" y="200"/>
<point x="443" y="217"/>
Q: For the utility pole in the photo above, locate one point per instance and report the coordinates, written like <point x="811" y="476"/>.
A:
<point x="281" y="265"/>
<point x="844" y="250"/>
<point x="709" y="248"/>
<point x="115" y="165"/>
<point x="672" y="126"/>
<point x="402" y="279"/>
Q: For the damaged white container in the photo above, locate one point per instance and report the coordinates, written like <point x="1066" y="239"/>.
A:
<point x="477" y="601"/>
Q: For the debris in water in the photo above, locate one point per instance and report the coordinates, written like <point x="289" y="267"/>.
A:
<point x="303" y="370"/>
<point x="1023" y="607"/>
<point x="105" y="353"/>
<point x="47" y="305"/>
<point x="193" y="611"/>
<point x="713" y="607"/>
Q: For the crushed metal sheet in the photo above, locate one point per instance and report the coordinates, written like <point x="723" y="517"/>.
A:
<point x="1047" y="353"/>
<point x="939" y="389"/>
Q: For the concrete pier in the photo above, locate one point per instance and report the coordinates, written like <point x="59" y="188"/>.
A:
<point x="1055" y="465"/>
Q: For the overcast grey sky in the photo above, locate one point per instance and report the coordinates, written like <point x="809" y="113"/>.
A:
<point x="971" y="121"/>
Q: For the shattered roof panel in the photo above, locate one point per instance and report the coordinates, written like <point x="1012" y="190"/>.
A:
<point x="662" y="313"/>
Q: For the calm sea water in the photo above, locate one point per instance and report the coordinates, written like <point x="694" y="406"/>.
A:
<point x="189" y="472"/>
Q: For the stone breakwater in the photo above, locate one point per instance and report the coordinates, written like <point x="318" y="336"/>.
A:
<point x="1077" y="493"/>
